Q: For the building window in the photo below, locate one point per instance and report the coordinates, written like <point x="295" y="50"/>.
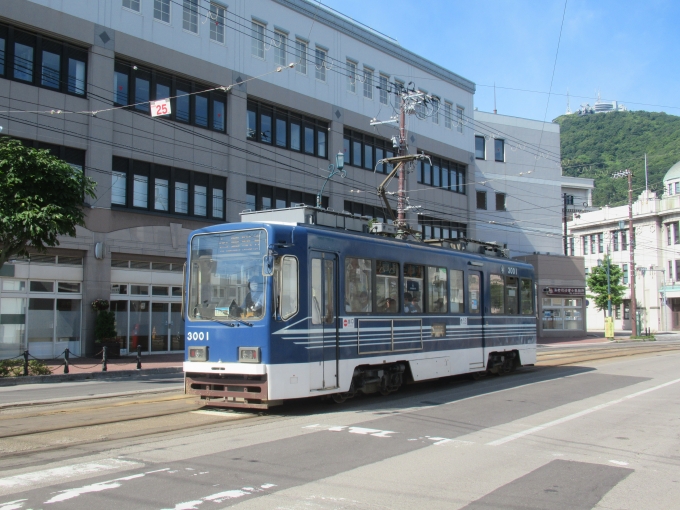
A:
<point x="320" y="64"/>
<point x="351" y="77"/>
<point x="481" y="200"/>
<point x="442" y="174"/>
<point x="217" y="14"/>
<point x="364" y="151"/>
<point x="677" y="188"/>
<point x="59" y="66"/>
<point x="260" y="197"/>
<point x="434" y="228"/>
<point x="480" y="147"/>
<point x="676" y="233"/>
<point x="625" y="274"/>
<point x="218" y="203"/>
<point x="584" y="243"/>
<point x="500" y="201"/>
<point x="301" y="55"/>
<point x="269" y="124"/>
<point x="572" y="252"/>
<point x="499" y="149"/>
<point x="624" y="240"/>
<point x="257" y="44"/>
<point x="600" y="242"/>
<point x="161" y="10"/>
<point x="190" y="16"/>
<point x="367" y="211"/>
<point x="133" y="5"/>
<point x="615" y="240"/>
<point x="205" y="110"/>
<point x="460" y="111"/>
<point x="435" y="110"/>
<point x="280" y="51"/>
<point x="368" y="83"/>
<point x="383" y="89"/>
<point x="670" y="270"/>
<point x="448" y="114"/>
<point x="173" y="190"/>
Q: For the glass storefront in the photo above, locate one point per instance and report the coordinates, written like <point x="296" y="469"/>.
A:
<point x="148" y="316"/>
<point x="42" y="316"/>
<point x="562" y="314"/>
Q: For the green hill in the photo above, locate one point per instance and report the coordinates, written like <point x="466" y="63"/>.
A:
<point x="598" y="145"/>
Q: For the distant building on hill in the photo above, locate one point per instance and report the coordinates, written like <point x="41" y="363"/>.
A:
<point x="599" y="107"/>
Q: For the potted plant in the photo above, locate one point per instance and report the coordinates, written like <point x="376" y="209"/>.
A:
<point x="105" y="328"/>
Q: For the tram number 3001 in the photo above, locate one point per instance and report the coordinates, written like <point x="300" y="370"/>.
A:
<point x="512" y="270"/>
<point x="197" y="336"/>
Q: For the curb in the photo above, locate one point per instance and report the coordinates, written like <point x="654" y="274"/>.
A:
<point x="116" y="374"/>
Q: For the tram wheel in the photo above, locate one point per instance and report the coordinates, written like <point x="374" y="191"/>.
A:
<point x="338" y="398"/>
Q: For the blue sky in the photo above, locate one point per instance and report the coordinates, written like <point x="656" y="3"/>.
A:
<point x="625" y="49"/>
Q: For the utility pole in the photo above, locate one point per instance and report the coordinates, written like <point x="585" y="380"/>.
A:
<point x="631" y="245"/>
<point x="568" y="200"/>
<point x="408" y="99"/>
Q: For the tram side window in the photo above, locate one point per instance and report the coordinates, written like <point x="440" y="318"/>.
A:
<point x="436" y="290"/>
<point x="288" y="287"/>
<point x="456" y="291"/>
<point x="474" y="293"/>
<point x="358" y="280"/>
<point x="387" y="286"/>
<point x="413" y="288"/>
<point x="497" y="294"/>
<point x="511" y="296"/>
<point x="527" y="297"/>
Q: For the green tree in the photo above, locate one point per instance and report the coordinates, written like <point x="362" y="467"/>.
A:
<point x="597" y="284"/>
<point x="41" y="197"/>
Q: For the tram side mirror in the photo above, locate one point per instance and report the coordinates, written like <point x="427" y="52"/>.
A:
<point x="268" y="265"/>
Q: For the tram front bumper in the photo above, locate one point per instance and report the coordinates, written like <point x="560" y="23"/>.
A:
<point x="230" y="390"/>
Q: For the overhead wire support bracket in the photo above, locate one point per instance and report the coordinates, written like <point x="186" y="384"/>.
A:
<point x="398" y="162"/>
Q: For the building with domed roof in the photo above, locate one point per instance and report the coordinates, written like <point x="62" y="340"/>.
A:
<point x="656" y="222"/>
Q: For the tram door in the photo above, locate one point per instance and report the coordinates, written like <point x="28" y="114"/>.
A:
<point x="477" y="311"/>
<point x="323" y="358"/>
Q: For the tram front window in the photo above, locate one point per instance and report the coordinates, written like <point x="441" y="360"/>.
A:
<point x="225" y="281"/>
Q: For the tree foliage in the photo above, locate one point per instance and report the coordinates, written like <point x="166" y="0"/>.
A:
<point x="597" y="284"/>
<point x="105" y="326"/>
<point x="595" y="146"/>
<point x="41" y="197"/>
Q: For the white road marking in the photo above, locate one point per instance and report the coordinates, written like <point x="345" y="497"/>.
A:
<point x="60" y="474"/>
<point x="352" y="430"/>
<point x="13" y="505"/>
<point x="570" y="417"/>
<point x="221" y="497"/>
<point x="67" y="494"/>
<point x="617" y="462"/>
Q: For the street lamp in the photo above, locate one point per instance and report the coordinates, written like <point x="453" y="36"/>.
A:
<point x="335" y="169"/>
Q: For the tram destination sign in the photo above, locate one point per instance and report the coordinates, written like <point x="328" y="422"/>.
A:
<point x="569" y="291"/>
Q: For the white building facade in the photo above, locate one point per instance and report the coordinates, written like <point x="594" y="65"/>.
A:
<point x="656" y="223"/>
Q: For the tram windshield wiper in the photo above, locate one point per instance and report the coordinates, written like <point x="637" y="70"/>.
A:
<point x="245" y="323"/>
<point x="219" y="321"/>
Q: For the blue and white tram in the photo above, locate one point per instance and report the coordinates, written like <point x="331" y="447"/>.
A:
<point x="279" y="309"/>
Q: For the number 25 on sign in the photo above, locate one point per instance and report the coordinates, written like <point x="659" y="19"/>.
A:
<point x="160" y="107"/>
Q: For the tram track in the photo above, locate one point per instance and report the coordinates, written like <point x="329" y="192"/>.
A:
<point x="571" y="355"/>
<point x="77" y="424"/>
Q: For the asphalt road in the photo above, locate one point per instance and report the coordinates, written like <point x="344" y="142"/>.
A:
<point x="602" y="435"/>
<point x="89" y="388"/>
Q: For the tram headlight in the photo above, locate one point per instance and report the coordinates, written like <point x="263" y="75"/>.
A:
<point x="249" y="354"/>
<point x="198" y="353"/>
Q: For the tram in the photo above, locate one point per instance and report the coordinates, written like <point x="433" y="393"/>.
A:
<point x="303" y="302"/>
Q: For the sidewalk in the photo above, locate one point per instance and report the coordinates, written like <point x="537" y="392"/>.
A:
<point x="91" y="368"/>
